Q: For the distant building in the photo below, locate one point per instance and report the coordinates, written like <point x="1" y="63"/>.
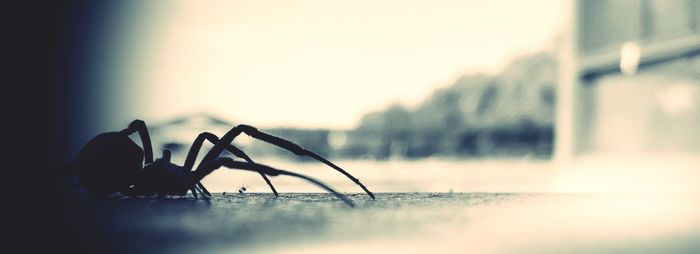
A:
<point x="630" y="79"/>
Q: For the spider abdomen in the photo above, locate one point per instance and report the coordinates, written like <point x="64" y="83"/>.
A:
<point x="108" y="163"/>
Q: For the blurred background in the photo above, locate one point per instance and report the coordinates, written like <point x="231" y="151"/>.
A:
<point x="500" y="126"/>
<point x="468" y="94"/>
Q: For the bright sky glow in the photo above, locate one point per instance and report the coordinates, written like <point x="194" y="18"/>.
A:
<point x="320" y="64"/>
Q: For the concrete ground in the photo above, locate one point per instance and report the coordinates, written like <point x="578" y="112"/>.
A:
<point x="393" y="223"/>
<point x="439" y="206"/>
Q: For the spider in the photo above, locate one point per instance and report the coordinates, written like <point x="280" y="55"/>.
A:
<point x="111" y="162"/>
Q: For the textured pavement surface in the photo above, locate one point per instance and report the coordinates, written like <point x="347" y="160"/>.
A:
<point x="394" y="222"/>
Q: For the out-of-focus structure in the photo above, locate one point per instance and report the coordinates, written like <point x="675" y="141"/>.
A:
<point x="630" y="80"/>
<point x="177" y="134"/>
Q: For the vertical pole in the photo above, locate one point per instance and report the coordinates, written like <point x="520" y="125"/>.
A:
<point x="564" y="147"/>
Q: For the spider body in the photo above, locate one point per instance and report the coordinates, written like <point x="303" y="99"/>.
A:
<point x="112" y="163"/>
<point x="162" y="178"/>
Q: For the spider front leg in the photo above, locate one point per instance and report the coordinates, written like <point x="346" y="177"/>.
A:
<point x="280" y="142"/>
<point x="140" y="127"/>
<point x="197" y="145"/>
<point x="206" y="169"/>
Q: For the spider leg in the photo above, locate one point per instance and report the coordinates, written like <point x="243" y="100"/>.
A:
<point x="205" y="170"/>
<point x="194" y="192"/>
<point x="140" y="127"/>
<point x="199" y="190"/>
<point x="197" y="145"/>
<point x="280" y="142"/>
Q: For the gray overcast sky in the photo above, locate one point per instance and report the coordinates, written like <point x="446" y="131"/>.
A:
<point x="310" y="63"/>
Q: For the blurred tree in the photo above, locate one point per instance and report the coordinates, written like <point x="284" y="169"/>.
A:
<point x="477" y="115"/>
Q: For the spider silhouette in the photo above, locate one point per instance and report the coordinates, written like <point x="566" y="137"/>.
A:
<point x="111" y="162"/>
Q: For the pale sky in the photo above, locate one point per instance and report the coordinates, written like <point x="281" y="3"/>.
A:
<point x="319" y="64"/>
